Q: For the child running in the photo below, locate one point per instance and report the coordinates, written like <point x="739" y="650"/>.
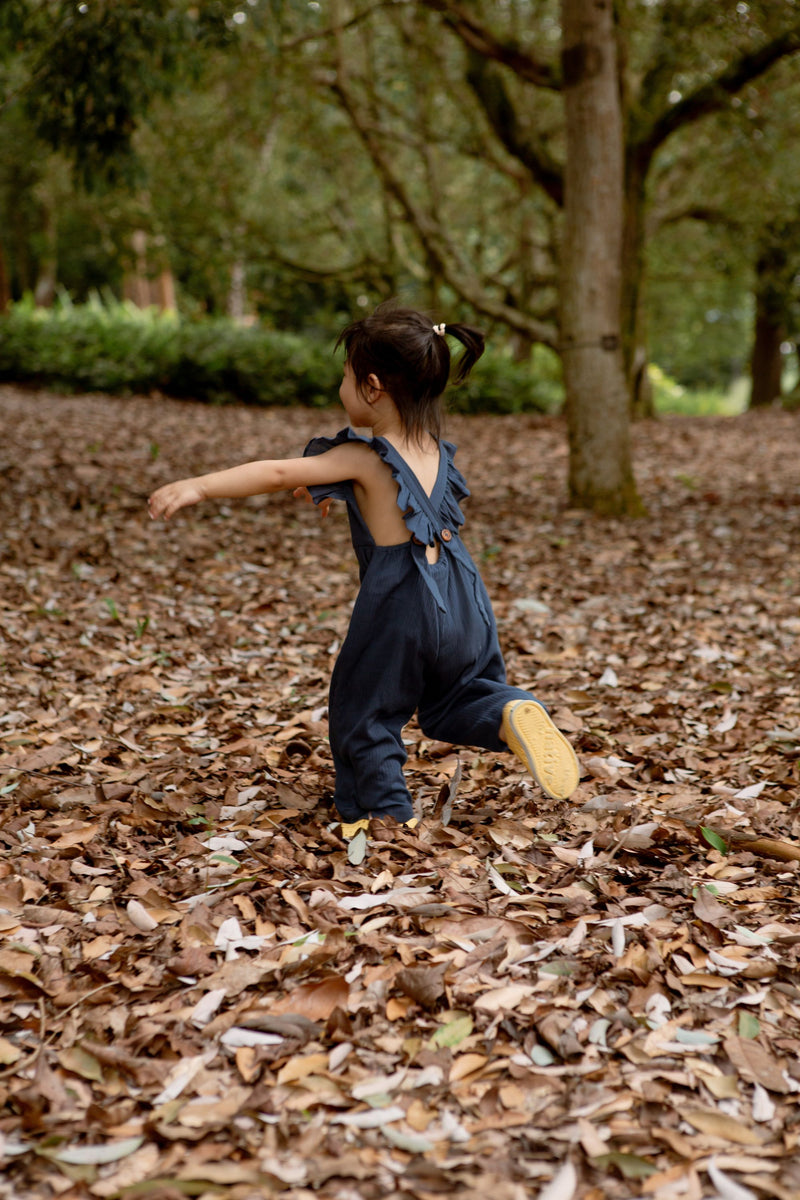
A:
<point x="422" y="637"/>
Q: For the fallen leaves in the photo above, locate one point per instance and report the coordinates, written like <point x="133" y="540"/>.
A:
<point x="205" y="990"/>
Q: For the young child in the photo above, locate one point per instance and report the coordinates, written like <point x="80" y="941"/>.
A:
<point x="422" y="637"/>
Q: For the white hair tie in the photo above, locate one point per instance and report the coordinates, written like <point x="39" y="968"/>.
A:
<point x="440" y="329"/>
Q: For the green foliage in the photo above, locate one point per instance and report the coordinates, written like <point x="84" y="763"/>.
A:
<point x="500" y="385"/>
<point x="221" y="361"/>
<point x="92" y="347"/>
<point x="700" y="313"/>
<point x="111" y="605"/>
<point x="673" y="398"/>
<point x="714" y="839"/>
<point x="95" y="68"/>
<point x="116" y="347"/>
<point x="725" y="197"/>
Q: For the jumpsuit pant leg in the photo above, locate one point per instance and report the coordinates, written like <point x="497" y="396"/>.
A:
<point x="467" y="690"/>
<point x="376" y="686"/>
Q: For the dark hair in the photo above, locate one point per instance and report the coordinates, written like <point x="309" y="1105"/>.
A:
<point x="411" y="359"/>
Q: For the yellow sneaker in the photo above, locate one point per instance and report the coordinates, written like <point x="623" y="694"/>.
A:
<point x="349" y="830"/>
<point x="527" y="729"/>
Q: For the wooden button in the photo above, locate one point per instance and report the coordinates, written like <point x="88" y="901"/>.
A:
<point x="446" y="535"/>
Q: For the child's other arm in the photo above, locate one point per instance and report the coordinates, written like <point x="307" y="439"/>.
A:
<point x="262" y="478"/>
<point x="324" y="506"/>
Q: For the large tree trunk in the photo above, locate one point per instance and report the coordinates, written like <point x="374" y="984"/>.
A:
<point x="766" y="363"/>
<point x="601" y="474"/>
<point x="773" y="288"/>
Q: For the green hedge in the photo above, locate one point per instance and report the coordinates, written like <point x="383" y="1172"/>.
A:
<point x="116" y="347"/>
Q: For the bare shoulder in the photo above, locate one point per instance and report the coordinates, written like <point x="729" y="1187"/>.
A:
<point x="356" y="460"/>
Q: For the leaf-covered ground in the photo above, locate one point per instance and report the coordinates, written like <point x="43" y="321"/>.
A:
<point x="205" y="991"/>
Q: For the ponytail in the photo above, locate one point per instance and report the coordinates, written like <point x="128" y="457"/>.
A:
<point x="473" y="342"/>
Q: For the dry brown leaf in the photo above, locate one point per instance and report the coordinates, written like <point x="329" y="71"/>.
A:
<point x="504" y="999"/>
<point x="423" y="984"/>
<point x="707" y="908"/>
<point x="465" y="1065"/>
<point x="302" y="1065"/>
<point x="316" y="1001"/>
<point x="755" y="1063"/>
<point x="709" y="1120"/>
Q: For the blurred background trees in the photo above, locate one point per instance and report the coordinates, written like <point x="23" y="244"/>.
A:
<point x="293" y="162"/>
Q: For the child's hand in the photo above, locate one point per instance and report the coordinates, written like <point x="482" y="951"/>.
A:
<point x="168" y="499"/>
<point x="302" y="493"/>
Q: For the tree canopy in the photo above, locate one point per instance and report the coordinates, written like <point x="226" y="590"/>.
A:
<point x="301" y="160"/>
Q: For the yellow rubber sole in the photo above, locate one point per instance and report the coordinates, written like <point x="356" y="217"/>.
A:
<point x="527" y="730"/>
<point x="350" y="829"/>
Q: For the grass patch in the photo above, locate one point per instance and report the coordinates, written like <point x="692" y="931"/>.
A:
<point x="671" y="399"/>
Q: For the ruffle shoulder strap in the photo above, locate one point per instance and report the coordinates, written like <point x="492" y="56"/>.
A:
<point x="455" y="491"/>
<point x="331" y="491"/>
<point x="412" y="507"/>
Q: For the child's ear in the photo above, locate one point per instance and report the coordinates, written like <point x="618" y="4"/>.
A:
<point x="374" y="384"/>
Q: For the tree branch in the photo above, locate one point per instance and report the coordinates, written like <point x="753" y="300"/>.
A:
<point x="493" y="97"/>
<point x="714" y="95"/>
<point x="481" y="40"/>
<point x="703" y="213"/>
<point x="352" y="273"/>
<point x="337" y="27"/>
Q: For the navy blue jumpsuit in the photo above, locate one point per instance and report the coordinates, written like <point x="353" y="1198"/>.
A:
<point x="422" y="638"/>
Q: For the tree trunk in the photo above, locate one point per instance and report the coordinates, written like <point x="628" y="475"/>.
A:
<point x="5" y="290"/>
<point x="137" y="284"/>
<point x="44" y="293"/>
<point x="775" y="274"/>
<point x="140" y="285"/>
<point x="600" y="474"/>
<point x="766" y="363"/>
<point x="236" y="291"/>
<point x="634" y="333"/>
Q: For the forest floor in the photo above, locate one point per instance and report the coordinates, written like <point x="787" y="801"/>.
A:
<point x="205" y="991"/>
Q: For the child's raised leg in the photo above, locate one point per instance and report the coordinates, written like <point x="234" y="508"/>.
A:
<point x="468" y="701"/>
<point x="489" y="712"/>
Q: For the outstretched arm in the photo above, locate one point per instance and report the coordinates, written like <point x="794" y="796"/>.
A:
<point x="249" y="479"/>
<point x="263" y="478"/>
